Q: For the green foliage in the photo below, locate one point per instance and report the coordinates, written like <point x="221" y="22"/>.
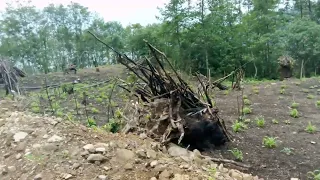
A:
<point x="113" y="126"/>
<point x="94" y="110"/>
<point x="238" y="126"/>
<point x="311" y="128"/>
<point x="269" y="142"/>
<point x="237" y="154"/>
<point x="315" y="175"/>
<point x="282" y="91"/>
<point x="294" y="113"/>
<point x="310" y="96"/>
<point x="91" y="122"/>
<point x="294" y="105"/>
<point x="318" y="103"/>
<point x="274" y="121"/>
<point x="287" y="151"/>
<point x="260" y="121"/>
<point x="247" y="110"/>
<point x="247" y="102"/>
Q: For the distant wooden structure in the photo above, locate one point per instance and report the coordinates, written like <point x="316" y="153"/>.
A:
<point x="9" y="76"/>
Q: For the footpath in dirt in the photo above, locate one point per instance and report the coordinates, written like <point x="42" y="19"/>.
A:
<point x="34" y="147"/>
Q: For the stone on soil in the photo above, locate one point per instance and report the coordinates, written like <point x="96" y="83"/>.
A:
<point x="19" y="136"/>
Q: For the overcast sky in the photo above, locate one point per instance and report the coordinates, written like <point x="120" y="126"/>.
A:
<point x="124" y="11"/>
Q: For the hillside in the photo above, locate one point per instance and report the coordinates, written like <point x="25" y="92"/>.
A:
<point x="44" y="147"/>
<point x="278" y="137"/>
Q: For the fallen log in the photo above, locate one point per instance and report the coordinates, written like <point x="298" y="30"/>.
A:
<point x="175" y="113"/>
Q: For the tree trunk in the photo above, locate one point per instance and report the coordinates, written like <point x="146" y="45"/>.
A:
<point x="255" y="69"/>
<point x="301" y="69"/>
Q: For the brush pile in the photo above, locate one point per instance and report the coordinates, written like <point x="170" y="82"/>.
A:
<point x="9" y="76"/>
<point x="170" y="111"/>
<point x="286" y="66"/>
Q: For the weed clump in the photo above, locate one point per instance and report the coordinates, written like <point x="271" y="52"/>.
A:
<point x="294" y="113"/>
<point x="311" y="128"/>
<point x="269" y="142"/>
<point x="237" y="154"/>
<point x="238" y="126"/>
<point x="260" y="121"/>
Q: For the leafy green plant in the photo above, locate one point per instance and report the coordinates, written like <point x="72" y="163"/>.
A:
<point x="91" y="122"/>
<point x="269" y="142"/>
<point x="238" y="126"/>
<point x="282" y="91"/>
<point x="113" y="126"/>
<point x="247" y="102"/>
<point x="245" y="97"/>
<point x="305" y="90"/>
<point x="311" y="128"/>
<point x="35" y="109"/>
<point x="237" y="154"/>
<point x="287" y="151"/>
<point x="260" y="121"/>
<point x="287" y="122"/>
<point x="274" y="121"/>
<point x="310" y="96"/>
<point x="318" y="103"/>
<point x="283" y="86"/>
<point x="295" y="105"/>
<point x="294" y="113"/>
<point x="247" y="110"/>
<point x="94" y="110"/>
<point x="315" y="175"/>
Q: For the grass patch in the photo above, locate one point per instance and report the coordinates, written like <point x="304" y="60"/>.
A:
<point x="237" y="154"/>
<point x="239" y="126"/>
<point x="260" y="121"/>
<point x="269" y="142"/>
<point x="294" y="113"/>
<point x="295" y="105"/>
<point x="311" y="128"/>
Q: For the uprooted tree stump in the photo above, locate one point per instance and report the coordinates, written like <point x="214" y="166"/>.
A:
<point x="170" y="111"/>
<point x="286" y="66"/>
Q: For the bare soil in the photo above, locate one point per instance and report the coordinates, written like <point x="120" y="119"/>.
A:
<point x="271" y="164"/>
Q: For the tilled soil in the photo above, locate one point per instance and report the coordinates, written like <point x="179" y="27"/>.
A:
<point x="273" y="164"/>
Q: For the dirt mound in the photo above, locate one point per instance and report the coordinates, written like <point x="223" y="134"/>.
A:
<point x="43" y="147"/>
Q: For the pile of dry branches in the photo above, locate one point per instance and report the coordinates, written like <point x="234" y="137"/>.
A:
<point x="9" y="76"/>
<point x="171" y="111"/>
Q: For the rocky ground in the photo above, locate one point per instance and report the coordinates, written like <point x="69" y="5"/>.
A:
<point x="44" y="148"/>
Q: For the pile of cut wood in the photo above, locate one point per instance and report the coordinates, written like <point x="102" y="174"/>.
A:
<point x="170" y="110"/>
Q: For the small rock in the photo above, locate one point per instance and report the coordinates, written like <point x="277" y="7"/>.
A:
<point x="20" y="136"/>
<point x="96" y="157"/>
<point x="124" y="155"/>
<point x="12" y="168"/>
<point x="180" y="177"/>
<point x="153" y="178"/>
<point x="128" y="166"/>
<point x="46" y="136"/>
<point x="294" y="178"/>
<point x="4" y="170"/>
<point x="35" y="146"/>
<point x="89" y="148"/>
<point x="101" y="150"/>
<point x="50" y="147"/>
<point x="66" y="176"/>
<point x="7" y="155"/>
<point x="151" y="154"/>
<point x="236" y="175"/>
<point x="106" y="168"/>
<point x="247" y="177"/>
<point x="141" y="153"/>
<point x="55" y="138"/>
<point x="38" y="177"/>
<point x="76" y="165"/>
<point x="177" y="151"/>
<point x="21" y="146"/>
<point x="313" y="142"/>
<point x="84" y="153"/>
<point x="165" y="175"/>
<point x="18" y="156"/>
<point x="102" y="177"/>
<point x="143" y="136"/>
<point x="153" y="164"/>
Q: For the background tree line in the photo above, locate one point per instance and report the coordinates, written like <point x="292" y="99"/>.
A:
<point x="196" y="35"/>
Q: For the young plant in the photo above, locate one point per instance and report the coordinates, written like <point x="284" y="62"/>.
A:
<point x="294" y="113"/>
<point x="260" y="121"/>
<point x="315" y="175"/>
<point x="294" y="105"/>
<point x="311" y="128"/>
<point x="91" y="122"/>
<point x="237" y="154"/>
<point x="318" y="104"/>
<point x="287" y="151"/>
<point x="238" y="126"/>
<point x="287" y="122"/>
<point x="274" y="121"/>
<point x="310" y="96"/>
<point x="282" y="91"/>
<point x="94" y="110"/>
<point x="247" y="110"/>
<point x="269" y="142"/>
<point x="247" y="102"/>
